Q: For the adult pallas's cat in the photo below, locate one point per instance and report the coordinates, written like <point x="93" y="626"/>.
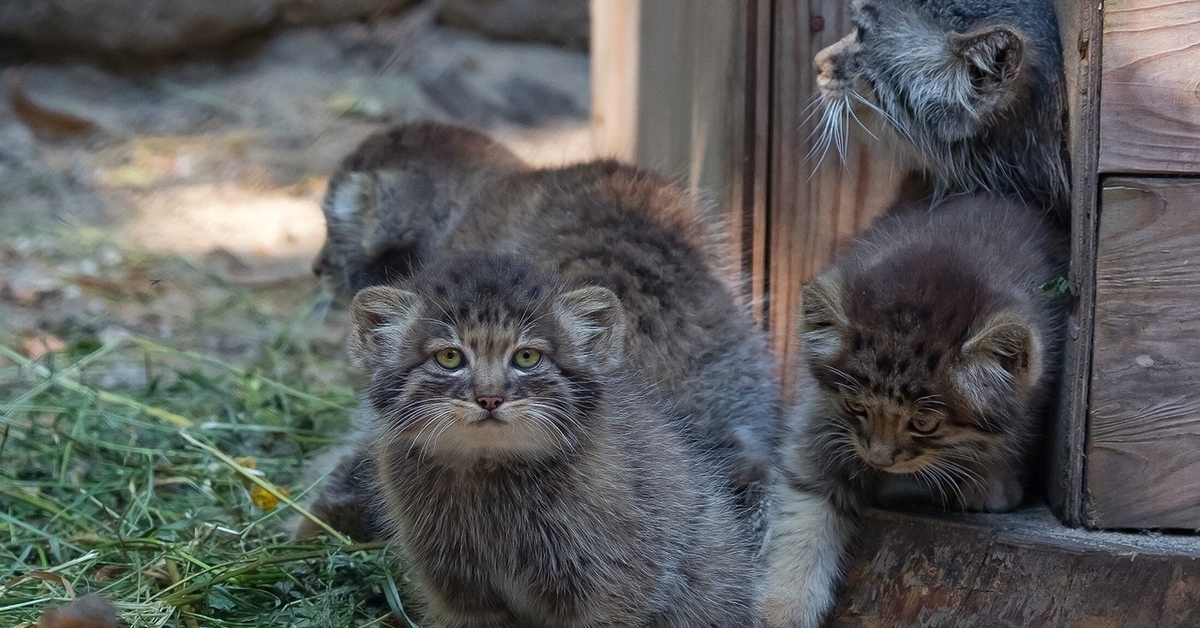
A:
<point x="930" y="350"/>
<point x="971" y="92"/>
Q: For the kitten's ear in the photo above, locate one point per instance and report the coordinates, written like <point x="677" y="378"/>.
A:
<point x="379" y="317"/>
<point x="595" y="319"/>
<point x="824" y="316"/>
<point x="992" y="59"/>
<point x="1006" y="350"/>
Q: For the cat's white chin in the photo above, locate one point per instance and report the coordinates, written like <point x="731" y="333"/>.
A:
<point x="489" y="437"/>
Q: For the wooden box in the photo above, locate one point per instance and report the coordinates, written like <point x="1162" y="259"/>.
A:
<point x="718" y="92"/>
<point x="1129" y="437"/>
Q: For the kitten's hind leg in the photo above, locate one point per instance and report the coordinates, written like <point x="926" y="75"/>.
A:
<point x="805" y="558"/>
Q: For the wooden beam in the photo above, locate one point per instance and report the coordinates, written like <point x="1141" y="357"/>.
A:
<point x="1079" y="24"/>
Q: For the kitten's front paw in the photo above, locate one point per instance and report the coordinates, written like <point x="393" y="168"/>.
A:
<point x="1000" y="492"/>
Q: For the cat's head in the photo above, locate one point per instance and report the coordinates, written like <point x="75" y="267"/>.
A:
<point x="927" y="382"/>
<point x="486" y="358"/>
<point x="364" y="245"/>
<point x="932" y="73"/>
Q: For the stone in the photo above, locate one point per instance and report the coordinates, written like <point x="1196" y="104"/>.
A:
<point x="160" y="28"/>
<point x="562" y="22"/>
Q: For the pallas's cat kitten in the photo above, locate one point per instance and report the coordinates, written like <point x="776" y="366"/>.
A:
<point x="930" y="350"/>
<point x="970" y="91"/>
<point x="524" y="474"/>
<point x="631" y="231"/>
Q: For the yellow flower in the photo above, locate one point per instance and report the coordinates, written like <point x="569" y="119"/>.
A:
<point x="264" y="500"/>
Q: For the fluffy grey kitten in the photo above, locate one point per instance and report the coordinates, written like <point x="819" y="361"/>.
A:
<point x="931" y="349"/>
<point x="630" y="231"/>
<point x="970" y="91"/>
<point x="523" y="471"/>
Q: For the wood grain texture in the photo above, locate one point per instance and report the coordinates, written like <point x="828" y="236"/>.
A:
<point x="1080" y="27"/>
<point x="692" y="79"/>
<point x="1150" y="101"/>
<point x="915" y="570"/>
<point x="751" y="149"/>
<point x="614" y="61"/>
<point x="1143" y="452"/>
<point x="814" y="208"/>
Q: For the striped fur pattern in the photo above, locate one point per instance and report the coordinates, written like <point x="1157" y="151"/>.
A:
<point x="931" y="350"/>
<point x="970" y="92"/>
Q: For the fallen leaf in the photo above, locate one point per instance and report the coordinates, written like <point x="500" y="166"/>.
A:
<point x="264" y="500"/>
<point x="39" y="118"/>
<point x="36" y="347"/>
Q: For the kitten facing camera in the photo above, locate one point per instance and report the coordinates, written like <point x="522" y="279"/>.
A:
<point x="631" y="231"/>
<point x="971" y="92"/>
<point x="931" y="349"/>
<point x="521" y="468"/>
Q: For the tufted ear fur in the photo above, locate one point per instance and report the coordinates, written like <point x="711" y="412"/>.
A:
<point x="991" y="60"/>
<point x="1004" y="353"/>
<point x="823" y="320"/>
<point x="379" y="316"/>
<point x="595" y="319"/>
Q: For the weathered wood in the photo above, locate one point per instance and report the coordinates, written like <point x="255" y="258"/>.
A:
<point x="1079" y="26"/>
<point x="1151" y="113"/>
<point x="1143" y="453"/>
<point x="1015" y="570"/>
<point x="751" y="149"/>
<point x="814" y="209"/>
<point x="614" y="60"/>
<point x="680" y="86"/>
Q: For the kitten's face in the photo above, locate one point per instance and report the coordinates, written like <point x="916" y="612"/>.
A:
<point x="499" y="367"/>
<point x="914" y="391"/>
<point x="905" y="70"/>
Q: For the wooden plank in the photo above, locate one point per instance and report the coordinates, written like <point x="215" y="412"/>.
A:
<point x="1079" y="25"/>
<point x="814" y="209"/>
<point x="614" y="80"/>
<point x="1143" y="451"/>
<point x="1151" y="112"/>
<point x="747" y="218"/>
<point x="693" y="104"/>
<point x="1015" y="570"/>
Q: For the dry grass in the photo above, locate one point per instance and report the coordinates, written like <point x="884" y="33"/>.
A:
<point x="173" y="498"/>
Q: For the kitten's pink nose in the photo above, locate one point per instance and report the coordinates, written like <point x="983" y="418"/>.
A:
<point x="489" y="402"/>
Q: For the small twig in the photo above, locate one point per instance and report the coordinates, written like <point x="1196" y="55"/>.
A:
<point x="266" y="486"/>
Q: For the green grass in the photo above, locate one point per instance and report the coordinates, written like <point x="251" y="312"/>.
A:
<point x="146" y="495"/>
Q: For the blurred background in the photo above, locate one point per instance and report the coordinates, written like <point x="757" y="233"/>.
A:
<point x="162" y="161"/>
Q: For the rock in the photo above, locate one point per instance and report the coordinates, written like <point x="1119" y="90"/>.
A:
<point x="563" y="22"/>
<point x="157" y="28"/>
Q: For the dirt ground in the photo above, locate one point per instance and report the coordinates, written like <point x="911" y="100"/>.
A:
<point x="186" y="207"/>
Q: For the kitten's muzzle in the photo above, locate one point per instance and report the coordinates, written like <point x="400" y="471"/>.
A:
<point x="489" y="402"/>
<point x="881" y="456"/>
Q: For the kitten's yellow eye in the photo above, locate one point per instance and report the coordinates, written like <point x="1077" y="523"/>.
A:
<point x="924" y="424"/>
<point x="856" y="406"/>
<point x="527" y="358"/>
<point x="449" y="358"/>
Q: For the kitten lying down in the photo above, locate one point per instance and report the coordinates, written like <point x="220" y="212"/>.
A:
<point x="930" y="350"/>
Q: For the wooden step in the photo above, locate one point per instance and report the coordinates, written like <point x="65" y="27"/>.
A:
<point x="1021" y="569"/>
